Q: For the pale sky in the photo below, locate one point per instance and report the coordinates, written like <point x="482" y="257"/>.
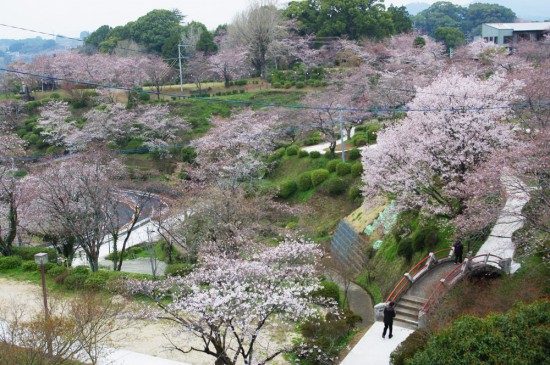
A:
<point x="70" y="17"/>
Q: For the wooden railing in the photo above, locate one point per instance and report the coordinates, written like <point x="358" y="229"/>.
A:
<point x="418" y="270"/>
<point x="457" y="274"/>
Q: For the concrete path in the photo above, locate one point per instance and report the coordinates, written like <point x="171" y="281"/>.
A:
<point x="372" y="349"/>
<point x="510" y="220"/>
<point x="360" y="302"/>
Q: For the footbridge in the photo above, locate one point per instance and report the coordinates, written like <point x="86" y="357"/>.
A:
<point x="422" y="287"/>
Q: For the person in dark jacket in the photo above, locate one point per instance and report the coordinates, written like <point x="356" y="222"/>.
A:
<point x="389" y="314"/>
<point x="458" y="250"/>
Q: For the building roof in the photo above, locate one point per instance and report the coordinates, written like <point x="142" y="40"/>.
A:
<point x="521" y="27"/>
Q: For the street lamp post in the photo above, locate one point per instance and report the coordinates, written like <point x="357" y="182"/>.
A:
<point x="42" y="259"/>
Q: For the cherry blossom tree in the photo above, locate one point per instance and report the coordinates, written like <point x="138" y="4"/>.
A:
<point x="245" y="140"/>
<point x="230" y="63"/>
<point x="78" y="196"/>
<point x="58" y="128"/>
<point x="221" y="218"/>
<point x="154" y="124"/>
<point x="9" y="201"/>
<point x="446" y="134"/>
<point x="229" y="303"/>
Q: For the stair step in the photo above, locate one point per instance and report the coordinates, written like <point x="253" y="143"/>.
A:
<point x="406" y="312"/>
<point x="406" y="323"/>
<point x="409" y="305"/>
<point x="413" y="299"/>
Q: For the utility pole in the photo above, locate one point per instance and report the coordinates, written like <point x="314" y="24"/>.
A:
<point x="342" y="135"/>
<point x="179" y="59"/>
<point x="181" y="70"/>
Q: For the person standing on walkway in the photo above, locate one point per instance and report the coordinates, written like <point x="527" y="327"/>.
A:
<point x="389" y="314"/>
<point x="458" y="250"/>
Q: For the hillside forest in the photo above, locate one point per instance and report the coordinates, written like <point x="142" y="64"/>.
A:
<point x="283" y="125"/>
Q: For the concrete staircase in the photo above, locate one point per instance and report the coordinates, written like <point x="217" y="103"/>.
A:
<point x="406" y="311"/>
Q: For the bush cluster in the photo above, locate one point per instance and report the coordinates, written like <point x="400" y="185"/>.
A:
<point x="336" y="186"/>
<point x="303" y="153"/>
<point x="354" y="154"/>
<point x="405" y="248"/>
<point x="10" y="262"/>
<point x="343" y="168"/>
<point x="356" y="169"/>
<point x="315" y="154"/>
<point x="287" y="188"/>
<point x="318" y="176"/>
<point x="304" y="181"/>
<point x="331" y="165"/>
<point x="292" y="150"/>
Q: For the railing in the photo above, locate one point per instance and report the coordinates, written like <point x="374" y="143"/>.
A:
<point x="418" y="270"/>
<point x="457" y="274"/>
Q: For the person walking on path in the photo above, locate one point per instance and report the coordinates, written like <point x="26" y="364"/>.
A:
<point x="458" y="250"/>
<point x="389" y="314"/>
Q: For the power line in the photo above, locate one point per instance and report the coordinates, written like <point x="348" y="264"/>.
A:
<point x="275" y="105"/>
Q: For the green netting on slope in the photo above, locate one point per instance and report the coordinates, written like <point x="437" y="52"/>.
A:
<point x="386" y="218"/>
<point x="377" y="244"/>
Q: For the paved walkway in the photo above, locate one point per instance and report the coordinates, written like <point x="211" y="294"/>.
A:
<point x="510" y="220"/>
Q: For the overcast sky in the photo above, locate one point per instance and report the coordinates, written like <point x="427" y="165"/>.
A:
<point x="70" y="17"/>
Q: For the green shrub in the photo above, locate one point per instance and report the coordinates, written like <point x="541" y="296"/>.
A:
<point x="312" y="140"/>
<point x="292" y="150"/>
<point x="354" y="193"/>
<point x="188" y="154"/>
<point x="75" y="281"/>
<point x="304" y="181"/>
<point x="329" y="290"/>
<point x="276" y="155"/>
<point x="181" y="269"/>
<point x="318" y="176"/>
<point x="520" y="336"/>
<point x="331" y="165"/>
<point x="315" y="154"/>
<point x="360" y="142"/>
<point x="354" y="154"/>
<point x="96" y="280"/>
<point x="360" y="128"/>
<point x="10" y="262"/>
<point x="336" y="186"/>
<point x="29" y="266"/>
<point x="343" y="168"/>
<point x="303" y="153"/>
<point x="55" y="96"/>
<point x="57" y="270"/>
<point x="432" y="239"/>
<point x="85" y="270"/>
<point x="356" y="169"/>
<point x="277" y="85"/>
<point x="300" y="85"/>
<point x="287" y="188"/>
<point x="405" y="248"/>
<point x="27" y="253"/>
<point x="415" y="342"/>
<point x="288" y="85"/>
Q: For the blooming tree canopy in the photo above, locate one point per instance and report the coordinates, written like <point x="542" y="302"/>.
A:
<point x="455" y="124"/>
<point x="229" y="302"/>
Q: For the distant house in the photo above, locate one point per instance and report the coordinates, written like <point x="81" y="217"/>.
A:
<point x="505" y="34"/>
